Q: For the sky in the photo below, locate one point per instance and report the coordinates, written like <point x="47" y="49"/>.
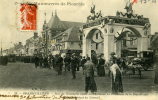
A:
<point x="9" y="9"/>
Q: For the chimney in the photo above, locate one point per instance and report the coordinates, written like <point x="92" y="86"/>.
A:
<point x="56" y="12"/>
<point x="35" y="35"/>
<point x="20" y="43"/>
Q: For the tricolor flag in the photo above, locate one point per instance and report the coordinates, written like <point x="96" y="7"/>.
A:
<point x="134" y="1"/>
<point x="128" y="2"/>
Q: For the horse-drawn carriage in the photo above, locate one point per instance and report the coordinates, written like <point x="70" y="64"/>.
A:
<point x="136" y="65"/>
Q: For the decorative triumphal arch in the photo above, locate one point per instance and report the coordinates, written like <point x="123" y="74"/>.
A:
<point x="121" y="33"/>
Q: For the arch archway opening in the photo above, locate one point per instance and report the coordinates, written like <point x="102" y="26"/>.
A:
<point x="128" y="39"/>
<point x="96" y="42"/>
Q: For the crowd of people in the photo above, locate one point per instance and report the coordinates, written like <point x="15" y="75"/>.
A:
<point x="3" y="60"/>
<point x="90" y="66"/>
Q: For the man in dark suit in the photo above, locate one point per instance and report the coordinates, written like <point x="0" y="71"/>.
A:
<point x="83" y="61"/>
<point x="89" y="76"/>
<point x="59" y="64"/>
<point x="67" y="61"/>
<point x="74" y="65"/>
<point x="45" y="61"/>
<point x="36" y="61"/>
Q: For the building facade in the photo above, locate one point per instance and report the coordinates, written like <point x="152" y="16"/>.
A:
<point x="69" y="41"/>
<point x="61" y="36"/>
<point x="154" y="43"/>
<point x="33" y="45"/>
<point x="17" y="49"/>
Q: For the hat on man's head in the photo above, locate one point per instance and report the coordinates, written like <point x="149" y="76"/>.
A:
<point x="112" y="53"/>
<point x="73" y="54"/>
<point x="88" y="58"/>
<point x="101" y="54"/>
<point x="115" y="56"/>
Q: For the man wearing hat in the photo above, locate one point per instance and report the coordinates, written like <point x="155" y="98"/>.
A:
<point x="59" y="64"/>
<point x="90" y="83"/>
<point x="112" y="59"/>
<point x="73" y="65"/>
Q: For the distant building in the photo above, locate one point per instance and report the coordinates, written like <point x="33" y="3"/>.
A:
<point x="69" y="41"/>
<point x="154" y="43"/>
<point x="61" y="36"/>
<point x="5" y="52"/>
<point x="9" y="51"/>
<point x="33" y="45"/>
<point x="18" y="49"/>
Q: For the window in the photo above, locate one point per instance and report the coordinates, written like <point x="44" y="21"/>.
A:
<point x="81" y="38"/>
<point x="124" y="42"/>
<point x="131" y="41"/>
<point x="59" y="47"/>
<point x="97" y="36"/>
<point x="71" y="43"/>
<point x="96" y="46"/>
<point x="63" y="46"/>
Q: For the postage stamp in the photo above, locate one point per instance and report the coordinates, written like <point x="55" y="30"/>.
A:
<point x="28" y="16"/>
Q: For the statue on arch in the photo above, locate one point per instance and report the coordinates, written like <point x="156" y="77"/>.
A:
<point x="92" y="16"/>
<point x="128" y="7"/>
<point x="99" y="14"/>
<point x="93" y="9"/>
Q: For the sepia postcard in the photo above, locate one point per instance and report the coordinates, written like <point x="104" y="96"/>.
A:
<point x="79" y="50"/>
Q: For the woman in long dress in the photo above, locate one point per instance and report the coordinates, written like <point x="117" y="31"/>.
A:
<point x="116" y="78"/>
<point x="100" y="67"/>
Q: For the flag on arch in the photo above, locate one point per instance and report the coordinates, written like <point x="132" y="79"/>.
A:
<point x="130" y="1"/>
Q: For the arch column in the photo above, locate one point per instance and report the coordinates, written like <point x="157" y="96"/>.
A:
<point x="109" y="44"/>
<point x="141" y="47"/>
<point x="118" y="48"/>
<point x="86" y="50"/>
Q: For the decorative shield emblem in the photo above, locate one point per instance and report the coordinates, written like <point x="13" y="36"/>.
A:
<point x="97" y="37"/>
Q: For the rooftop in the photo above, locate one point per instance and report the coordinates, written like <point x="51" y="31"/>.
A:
<point x="56" y="23"/>
<point x="71" y="34"/>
